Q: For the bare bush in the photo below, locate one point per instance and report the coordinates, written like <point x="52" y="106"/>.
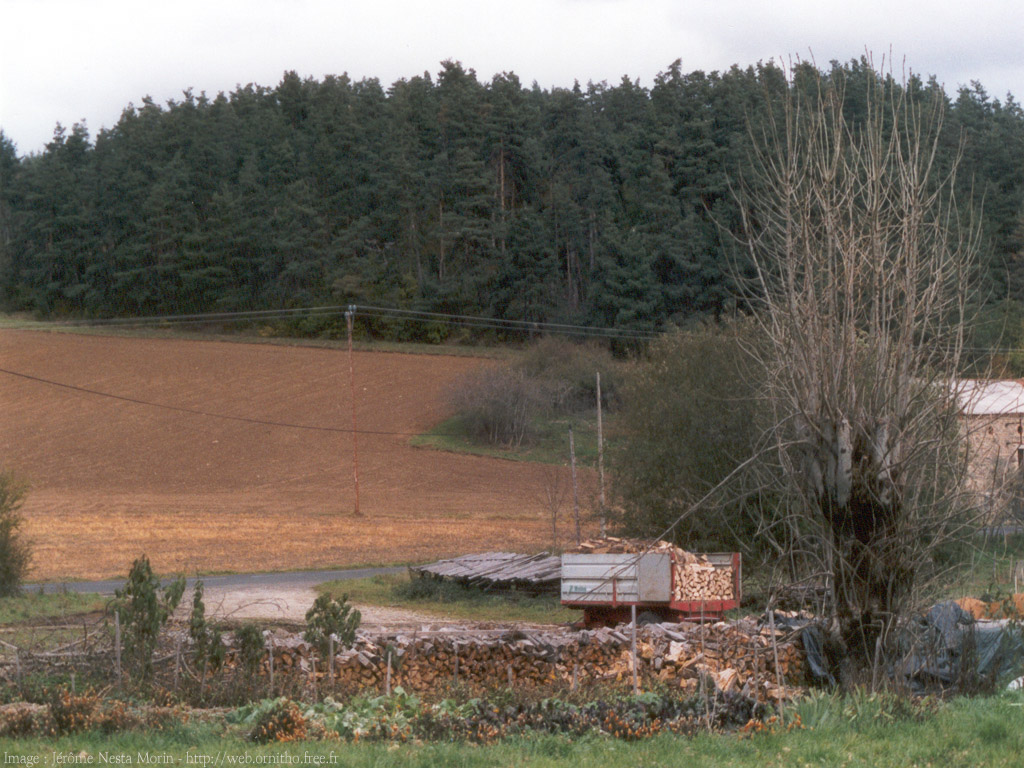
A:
<point x="552" y="493"/>
<point x="496" y="404"/>
<point x="567" y="372"/>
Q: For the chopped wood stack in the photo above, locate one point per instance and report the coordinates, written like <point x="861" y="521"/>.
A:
<point x="693" y="577"/>
<point x="611" y="545"/>
<point x="700" y="580"/>
<point x="731" y="655"/>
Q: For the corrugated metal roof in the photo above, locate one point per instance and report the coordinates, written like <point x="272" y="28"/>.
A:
<point x="990" y="398"/>
<point x="498" y="568"/>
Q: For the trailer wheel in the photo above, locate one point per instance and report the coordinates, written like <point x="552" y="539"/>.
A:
<point x="647" y="617"/>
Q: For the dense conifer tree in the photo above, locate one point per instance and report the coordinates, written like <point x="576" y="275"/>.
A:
<point x="597" y="204"/>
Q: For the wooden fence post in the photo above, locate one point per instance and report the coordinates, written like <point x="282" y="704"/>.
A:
<point x="117" y="646"/>
<point x="330" y="658"/>
<point x="757" y="663"/>
<point x="270" y="654"/>
<point x="575" y="488"/>
<point x="600" y="456"/>
<point x="775" y="651"/>
<point x="177" y="662"/>
<point x="632" y="642"/>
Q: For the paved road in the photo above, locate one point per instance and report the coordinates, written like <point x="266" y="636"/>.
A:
<point x="286" y="579"/>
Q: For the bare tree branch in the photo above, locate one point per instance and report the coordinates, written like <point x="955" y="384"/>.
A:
<point x="861" y="265"/>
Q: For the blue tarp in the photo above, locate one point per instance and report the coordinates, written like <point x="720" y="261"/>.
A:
<point x="944" y="647"/>
<point x="948" y="646"/>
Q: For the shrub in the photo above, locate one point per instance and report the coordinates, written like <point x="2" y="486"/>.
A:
<point x="496" y="404"/>
<point x="330" y="616"/>
<point x="281" y="721"/>
<point x="209" y="651"/>
<point x="116" y="717"/>
<point x="690" y="415"/>
<point x="566" y="371"/>
<point x="251" y="648"/>
<point x="144" y="608"/>
<point x="15" y="552"/>
<point x="73" y="712"/>
<point x="20" y="721"/>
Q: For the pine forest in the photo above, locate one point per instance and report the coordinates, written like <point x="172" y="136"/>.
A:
<point x="604" y="205"/>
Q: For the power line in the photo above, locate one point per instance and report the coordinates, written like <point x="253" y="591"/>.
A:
<point x="525" y="325"/>
<point x="208" y="414"/>
<point x="387" y="313"/>
<point x="229" y="417"/>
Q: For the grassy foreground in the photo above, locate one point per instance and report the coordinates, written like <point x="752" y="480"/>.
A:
<point x="35" y="606"/>
<point x="450" y="600"/>
<point x="963" y="732"/>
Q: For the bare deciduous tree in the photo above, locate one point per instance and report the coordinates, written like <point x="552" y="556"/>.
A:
<point x="497" y="403"/>
<point x="862" y="270"/>
<point x="554" y="489"/>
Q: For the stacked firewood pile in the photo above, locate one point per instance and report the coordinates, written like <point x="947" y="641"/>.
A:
<point x="730" y="655"/>
<point x="612" y="545"/>
<point x="693" y="577"/>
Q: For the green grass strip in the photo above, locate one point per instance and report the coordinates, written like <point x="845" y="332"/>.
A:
<point x="445" y="599"/>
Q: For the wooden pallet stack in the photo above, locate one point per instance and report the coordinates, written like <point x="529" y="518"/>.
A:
<point x="731" y="655"/>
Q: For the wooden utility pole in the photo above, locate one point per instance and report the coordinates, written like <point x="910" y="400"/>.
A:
<point x="600" y="452"/>
<point x="349" y="318"/>
<point x="575" y="489"/>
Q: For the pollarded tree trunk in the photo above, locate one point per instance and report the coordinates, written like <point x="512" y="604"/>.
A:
<point x="861" y="280"/>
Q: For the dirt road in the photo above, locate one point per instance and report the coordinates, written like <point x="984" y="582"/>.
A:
<point x="274" y="597"/>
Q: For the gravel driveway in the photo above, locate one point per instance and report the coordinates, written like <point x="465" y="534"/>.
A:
<point x="283" y="597"/>
<point x="289" y="603"/>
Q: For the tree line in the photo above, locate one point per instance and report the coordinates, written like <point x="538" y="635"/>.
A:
<point x="607" y="205"/>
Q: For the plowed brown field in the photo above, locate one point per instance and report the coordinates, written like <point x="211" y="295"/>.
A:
<point x="114" y="478"/>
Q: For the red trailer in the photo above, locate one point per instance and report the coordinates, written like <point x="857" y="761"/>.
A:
<point x="607" y="586"/>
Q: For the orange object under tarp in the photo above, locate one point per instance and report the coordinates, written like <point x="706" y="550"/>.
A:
<point x="1012" y="607"/>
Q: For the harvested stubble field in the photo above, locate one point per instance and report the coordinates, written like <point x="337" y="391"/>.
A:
<point x="114" y="478"/>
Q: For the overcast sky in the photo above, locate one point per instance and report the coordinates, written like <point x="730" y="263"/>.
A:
<point x="69" y="60"/>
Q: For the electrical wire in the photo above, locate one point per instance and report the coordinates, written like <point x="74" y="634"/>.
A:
<point x="209" y="414"/>
<point x="387" y="313"/>
<point x="225" y="416"/>
<point x="527" y="325"/>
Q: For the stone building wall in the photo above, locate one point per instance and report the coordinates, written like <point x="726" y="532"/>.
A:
<point x="995" y="445"/>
